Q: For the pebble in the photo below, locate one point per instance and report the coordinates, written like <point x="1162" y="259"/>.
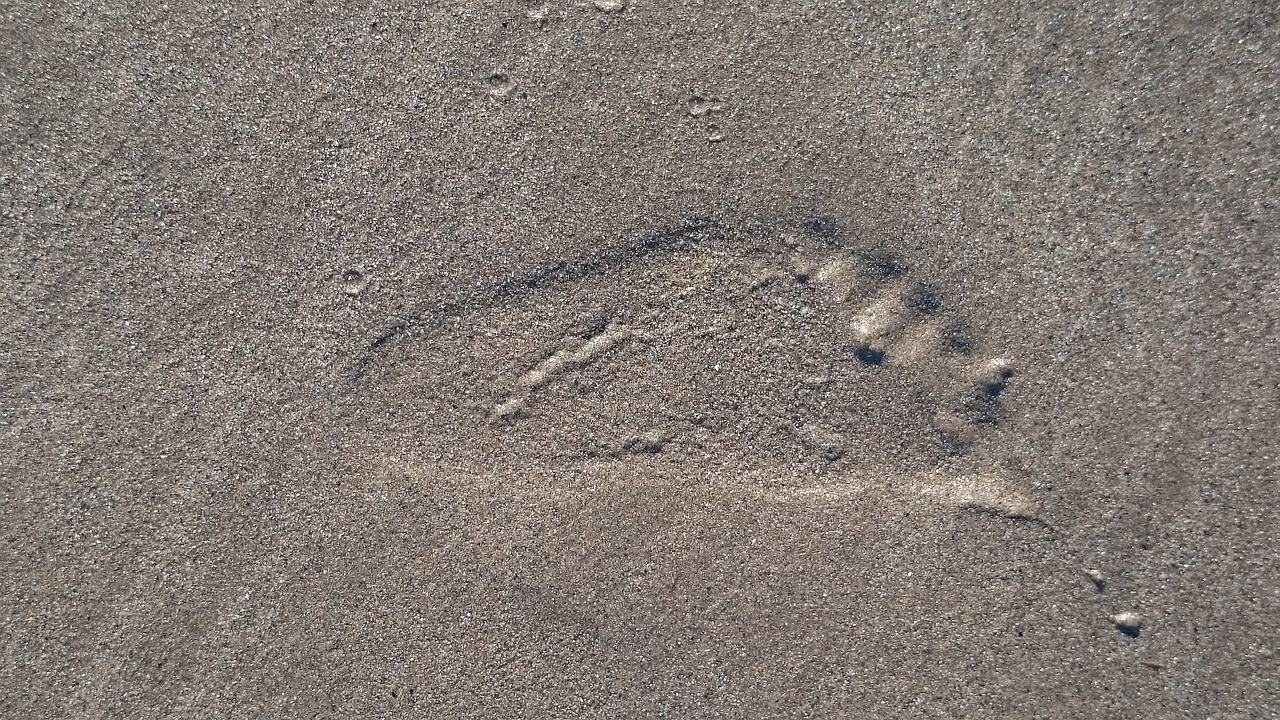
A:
<point x="1129" y="623"/>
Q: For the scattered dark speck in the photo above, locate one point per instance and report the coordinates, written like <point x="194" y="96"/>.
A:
<point x="884" y="264"/>
<point x="952" y="443"/>
<point x="595" y="327"/>
<point x="646" y="444"/>
<point x="821" y="227"/>
<point x="959" y="338"/>
<point x="390" y="334"/>
<point x="926" y="298"/>
<point x="672" y="239"/>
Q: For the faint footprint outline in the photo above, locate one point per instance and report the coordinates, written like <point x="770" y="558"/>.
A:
<point x="893" y="318"/>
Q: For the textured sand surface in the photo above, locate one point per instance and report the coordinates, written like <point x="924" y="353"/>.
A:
<point x="632" y="359"/>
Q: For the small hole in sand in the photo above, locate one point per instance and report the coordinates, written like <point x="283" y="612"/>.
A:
<point x="869" y="355"/>
<point x="354" y="281"/>
<point x="499" y="83"/>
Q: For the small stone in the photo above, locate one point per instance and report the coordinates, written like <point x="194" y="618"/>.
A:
<point x="1097" y="578"/>
<point x="1129" y="623"/>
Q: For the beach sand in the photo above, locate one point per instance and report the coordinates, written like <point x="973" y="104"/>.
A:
<point x="626" y="359"/>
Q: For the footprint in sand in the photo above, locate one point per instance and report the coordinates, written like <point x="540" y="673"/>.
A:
<point x="756" y="348"/>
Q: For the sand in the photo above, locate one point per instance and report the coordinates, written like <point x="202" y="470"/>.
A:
<point x="630" y="359"/>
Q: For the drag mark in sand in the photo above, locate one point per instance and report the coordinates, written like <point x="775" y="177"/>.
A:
<point x="558" y="363"/>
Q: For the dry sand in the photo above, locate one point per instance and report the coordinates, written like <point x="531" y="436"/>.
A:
<point x="630" y="359"/>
